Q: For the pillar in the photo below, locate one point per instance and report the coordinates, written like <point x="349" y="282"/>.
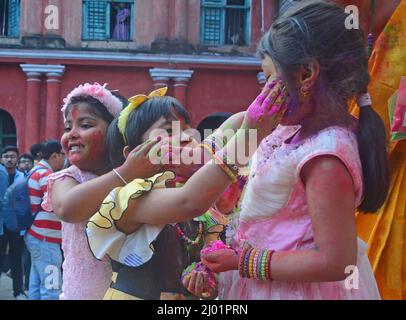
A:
<point x="52" y="116"/>
<point x="180" y="78"/>
<point x="53" y="106"/>
<point x="32" y="114"/>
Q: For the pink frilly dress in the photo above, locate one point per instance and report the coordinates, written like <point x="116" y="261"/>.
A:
<point x="84" y="277"/>
<point x="274" y="216"/>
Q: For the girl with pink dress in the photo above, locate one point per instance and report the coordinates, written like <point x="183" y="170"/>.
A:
<point x="295" y="237"/>
<point x="74" y="194"/>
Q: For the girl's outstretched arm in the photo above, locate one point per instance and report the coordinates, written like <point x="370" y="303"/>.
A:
<point x="162" y="206"/>
<point x="76" y="202"/>
<point x="206" y="185"/>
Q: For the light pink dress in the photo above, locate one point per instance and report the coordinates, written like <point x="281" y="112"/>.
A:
<point x="84" y="277"/>
<point x="274" y="216"/>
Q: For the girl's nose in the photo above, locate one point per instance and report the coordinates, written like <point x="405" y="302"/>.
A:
<point x="73" y="133"/>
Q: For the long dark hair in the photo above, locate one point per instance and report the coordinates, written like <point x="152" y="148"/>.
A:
<point x="314" y="30"/>
<point x="139" y="121"/>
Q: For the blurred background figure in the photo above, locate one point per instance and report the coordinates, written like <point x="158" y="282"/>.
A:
<point x="122" y="27"/>
<point x="25" y="163"/>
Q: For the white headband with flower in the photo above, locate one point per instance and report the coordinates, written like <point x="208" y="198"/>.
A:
<point x="112" y="103"/>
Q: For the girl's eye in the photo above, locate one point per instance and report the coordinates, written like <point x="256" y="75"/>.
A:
<point x="67" y="129"/>
<point x="86" y="126"/>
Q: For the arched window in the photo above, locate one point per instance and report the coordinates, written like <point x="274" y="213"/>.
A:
<point x="7" y="130"/>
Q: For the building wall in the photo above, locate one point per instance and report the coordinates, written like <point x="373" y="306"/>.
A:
<point x="219" y="81"/>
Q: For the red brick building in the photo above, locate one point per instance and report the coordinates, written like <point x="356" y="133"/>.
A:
<point x="204" y="50"/>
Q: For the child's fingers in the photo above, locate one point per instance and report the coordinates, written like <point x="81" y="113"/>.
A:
<point x="148" y="146"/>
<point x="186" y="281"/>
<point x="138" y="148"/>
<point x="199" y="285"/>
<point x="192" y="282"/>
<point x="272" y="96"/>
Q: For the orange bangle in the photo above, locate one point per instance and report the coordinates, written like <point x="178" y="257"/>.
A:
<point x="251" y="264"/>
<point x="205" y="146"/>
<point x="225" y="168"/>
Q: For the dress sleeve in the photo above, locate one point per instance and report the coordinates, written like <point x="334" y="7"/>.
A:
<point x="67" y="173"/>
<point x="342" y="144"/>
<point x="105" y="239"/>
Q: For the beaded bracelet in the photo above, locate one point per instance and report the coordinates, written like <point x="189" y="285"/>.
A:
<point x="251" y="264"/>
<point x="261" y="265"/>
<point x="255" y="264"/>
<point x="212" y="143"/>
<point x="225" y="168"/>
<point x="233" y="167"/>
<point x="263" y="262"/>
<point x="205" y="146"/>
<point x="246" y="260"/>
<point x="269" y="265"/>
<point x="241" y="262"/>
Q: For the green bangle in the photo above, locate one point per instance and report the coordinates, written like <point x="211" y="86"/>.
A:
<point x="263" y="265"/>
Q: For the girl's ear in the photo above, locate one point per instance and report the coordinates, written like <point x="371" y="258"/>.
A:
<point x="126" y="151"/>
<point x="308" y="74"/>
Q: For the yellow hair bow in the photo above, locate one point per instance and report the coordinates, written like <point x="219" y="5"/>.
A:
<point x="135" y="102"/>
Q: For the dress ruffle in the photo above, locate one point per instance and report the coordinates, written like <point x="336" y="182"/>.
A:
<point x="105" y="239"/>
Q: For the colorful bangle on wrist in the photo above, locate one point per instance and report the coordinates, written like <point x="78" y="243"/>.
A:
<point x="260" y="267"/>
<point x="241" y="262"/>
<point x="119" y="176"/>
<point x="205" y="146"/>
<point x="269" y="265"/>
<point x="246" y="262"/>
<point x="251" y="263"/>
<point x="212" y="144"/>
<point x="225" y="168"/>
<point x="255" y="264"/>
<point x="263" y="264"/>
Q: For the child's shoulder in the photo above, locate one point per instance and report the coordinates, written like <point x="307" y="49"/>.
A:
<point x="333" y="138"/>
<point x="75" y="173"/>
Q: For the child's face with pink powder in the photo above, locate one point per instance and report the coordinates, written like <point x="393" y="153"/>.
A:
<point x="297" y="110"/>
<point x="84" y="138"/>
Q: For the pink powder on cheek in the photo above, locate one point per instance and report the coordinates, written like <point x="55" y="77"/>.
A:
<point x="96" y="147"/>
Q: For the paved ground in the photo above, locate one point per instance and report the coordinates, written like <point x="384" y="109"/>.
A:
<point x="6" y="291"/>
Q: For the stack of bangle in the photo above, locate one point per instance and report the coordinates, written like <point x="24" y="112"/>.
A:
<point x="216" y="142"/>
<point x="255" y="264"/>
<point x="229" y="169"/>
<point x="207" y="147"/>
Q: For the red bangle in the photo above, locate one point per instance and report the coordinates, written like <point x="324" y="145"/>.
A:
<point x="241" y="262"/>
<point x="268" y="271"/>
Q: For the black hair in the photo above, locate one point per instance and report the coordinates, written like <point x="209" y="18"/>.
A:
<point x="25" y="156"/>
<point x="35" y="150"/>
<point x="9" y="148"/>
<point x="314" y="31"/>
<point x="212" y="122"/>
<point x="49" y="147"/>
<point x="139" y="121"/>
